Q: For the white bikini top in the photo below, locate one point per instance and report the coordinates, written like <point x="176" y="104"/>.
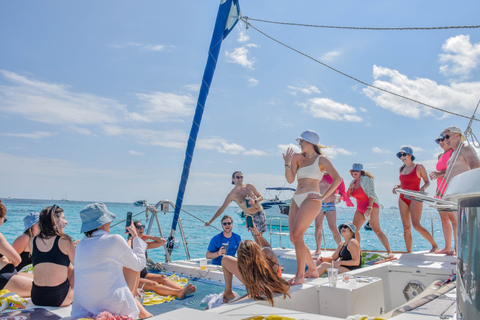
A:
<point x="311" y="172"/>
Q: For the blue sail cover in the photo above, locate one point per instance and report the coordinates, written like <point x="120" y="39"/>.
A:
<point x="227" y="18"/>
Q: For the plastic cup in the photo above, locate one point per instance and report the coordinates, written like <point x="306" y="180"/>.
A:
<point x="332" y="276"/>
<point x="346" y="277"/>
<point x="203" y="264"/>
<point x="225" y="246"/>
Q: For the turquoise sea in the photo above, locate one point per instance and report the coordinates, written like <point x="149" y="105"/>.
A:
<point x="198" y="236"/>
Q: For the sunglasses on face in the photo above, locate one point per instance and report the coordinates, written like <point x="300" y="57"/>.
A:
<point x="140" y="226"/>
<point x="355" y="171"/>
<point x="438" y="140"/>
<point x="4" y="220"/>
<point x="239" y="177"/>
<point x="227" y="223"/>
<point x="447" y="136"/>
<point x="300" y="140"/>
<point x="403" y="154"/>
<point x="345" y="227"/>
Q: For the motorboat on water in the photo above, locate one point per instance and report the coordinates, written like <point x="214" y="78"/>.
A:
<point x="276" y="204"/>
<point x="140" y="203"/>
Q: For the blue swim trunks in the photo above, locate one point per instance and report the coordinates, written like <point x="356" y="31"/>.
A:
<point x="328" y="206"/>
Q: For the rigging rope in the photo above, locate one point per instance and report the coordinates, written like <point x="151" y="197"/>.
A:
<point x="245" y="19"/>
<point x="361" y="28"/>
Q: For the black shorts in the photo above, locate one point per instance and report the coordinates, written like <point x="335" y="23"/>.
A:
<point x="6" y="274"/>
<point x="50" y="296"/>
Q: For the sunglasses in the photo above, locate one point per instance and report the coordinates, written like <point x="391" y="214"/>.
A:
<point x="239" y="177"/>
<point x="227" y="223"/>
<point x="447" y="136"/>
<point x="4" y="220"/>
<point x="300" y="140"/>
<point x="403" y="154"/>
<point x="345" y="227"/>
<point x="54" y="209"/>
<point x="440" y="139"/>
<point x="355" y="170"/>
<point x="140" y="226"/>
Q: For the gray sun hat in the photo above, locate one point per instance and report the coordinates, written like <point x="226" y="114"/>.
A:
<point x="309" y="136"/>
<point x="407" y="150"/>
<point x="30" y="220"/>
<point x="95" y="215"/>
<point x="348" y="224"/>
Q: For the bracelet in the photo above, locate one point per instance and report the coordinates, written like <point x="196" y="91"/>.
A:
<point x="288" y="166"/>
<point x="256" y="235"/>
<point x="370" y="207"/>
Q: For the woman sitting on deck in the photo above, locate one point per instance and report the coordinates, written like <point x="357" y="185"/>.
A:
<point x="257" y="268"/>
<point x="159" y="283"/>
<point x="52" y="253"/>
<point x="20" y="283"/>
<point x="347" y="257"/>
<point x="103" y="281"/>
<point x="22" y="243"/>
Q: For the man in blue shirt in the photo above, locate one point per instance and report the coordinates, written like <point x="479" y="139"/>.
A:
<point x="216" y="249"/>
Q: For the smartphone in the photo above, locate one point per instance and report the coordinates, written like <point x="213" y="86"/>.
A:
<point x="249" y="220"/>
<point x="129" y="220"/>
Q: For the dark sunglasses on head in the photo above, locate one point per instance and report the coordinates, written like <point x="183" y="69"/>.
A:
<point x="54" y="208"/>
<point x="239" y="177"/>
<point x="227" y="223"/>
<point x="140" y="226"/>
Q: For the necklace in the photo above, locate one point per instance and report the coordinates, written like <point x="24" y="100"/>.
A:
<point x="310" y="157"/>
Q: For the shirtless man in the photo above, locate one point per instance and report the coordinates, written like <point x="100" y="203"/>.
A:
<point x="466" y="160"/>
<point x="238" y="194"/>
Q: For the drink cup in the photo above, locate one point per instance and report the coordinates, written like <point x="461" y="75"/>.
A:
<point x="332" y="276"/>
<point x="203" y="264"/>
<point x="346" y="277"/>
<point x="225" y="246"/>
<point x="247" y="199"/>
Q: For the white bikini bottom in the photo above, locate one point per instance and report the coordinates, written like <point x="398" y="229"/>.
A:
<point x="299" y="198"/>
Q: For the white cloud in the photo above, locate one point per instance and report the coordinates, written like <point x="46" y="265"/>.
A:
<point x="221" y="145"/>
<point x="55" y="103"/>
<point x="331" y="56"/>
<point x="252" y="82"/>
<point x="193" y="87"/>
<point x="142" y="47"/>
<point x="136" y="153"/>
<point x="240" y="56"/>
<point x="33" y="135"/>
<point x="376" y="165"/>
<point x="379" y="150"/>
<point x="461" y="56"/>
<point x="458" y="97"/>
<point x="306" y="89"/>
<point x="242" y="36"/>
<point x="328" y="109"/>
<point x="163" y="107"/>
<point x="333" y="152"/>
<point x="282" y="148"/>
<point x="170" y="139"/>
<point x="255" y="152"/>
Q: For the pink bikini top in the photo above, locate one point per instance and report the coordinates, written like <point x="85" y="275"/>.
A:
<point x="311" y="172"/>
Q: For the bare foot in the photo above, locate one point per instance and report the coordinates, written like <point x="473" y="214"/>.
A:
<point x="434" y="249"/>
<point x="227" y="297"/>
<point x="317" y="253"/>
<point x="188" y="289"/>
<point x="447" y="251"/>
<point x="312" y="274"/>
<point x="390" y="256"/>
<point x="296" y="280"/>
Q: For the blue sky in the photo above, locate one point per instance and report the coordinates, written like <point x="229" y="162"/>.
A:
<point x="97" y="97"/>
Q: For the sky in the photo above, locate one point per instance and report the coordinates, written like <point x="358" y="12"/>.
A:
<point x="97" y="97"/>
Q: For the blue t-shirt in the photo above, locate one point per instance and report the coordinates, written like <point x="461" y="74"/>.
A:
<point x="218" y="240"/>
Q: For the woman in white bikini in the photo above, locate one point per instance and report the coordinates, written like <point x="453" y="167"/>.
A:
<point x="308" y="166"/>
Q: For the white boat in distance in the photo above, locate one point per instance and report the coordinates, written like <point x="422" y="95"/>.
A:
<point x="276" y="204"/>
<point x="140" y="203"/>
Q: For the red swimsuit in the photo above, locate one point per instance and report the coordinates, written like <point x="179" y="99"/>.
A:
<point x="442" y="165"/>
<point x="362" y="200"/>
<point x="409" y="182"/>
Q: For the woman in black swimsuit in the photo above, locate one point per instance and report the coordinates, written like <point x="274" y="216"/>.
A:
<point x="348" y="254"/>
<point x="52" y="255"/>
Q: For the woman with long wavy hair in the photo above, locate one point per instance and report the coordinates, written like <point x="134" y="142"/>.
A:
<point x="260" y="280"/>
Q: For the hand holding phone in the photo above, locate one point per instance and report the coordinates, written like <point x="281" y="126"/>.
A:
<point x="128" y="221"/>
<point x="249" y="221"/>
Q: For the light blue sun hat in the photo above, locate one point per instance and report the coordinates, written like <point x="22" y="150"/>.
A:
<point x="30" y="220"/>
<point x="95" y="215"/>
<point x="309" y="136"/>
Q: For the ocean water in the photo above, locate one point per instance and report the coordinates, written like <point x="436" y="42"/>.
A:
<point x="198" y="236"/>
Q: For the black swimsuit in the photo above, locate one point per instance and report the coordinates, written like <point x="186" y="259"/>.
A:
<point x="26" y="260"/>
<point x="6" y="274"/>
<point x="345" y="255"/>
<point x="46" y="295"/>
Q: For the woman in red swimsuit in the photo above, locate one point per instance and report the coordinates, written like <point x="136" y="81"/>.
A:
<point x="363" y="190"/>
<point x="411" y="211"/>
<point x="449" y="219"/>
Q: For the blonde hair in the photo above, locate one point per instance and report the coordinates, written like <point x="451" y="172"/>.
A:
<point x="368" y="174"/>
<point x="259" y="278"/>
